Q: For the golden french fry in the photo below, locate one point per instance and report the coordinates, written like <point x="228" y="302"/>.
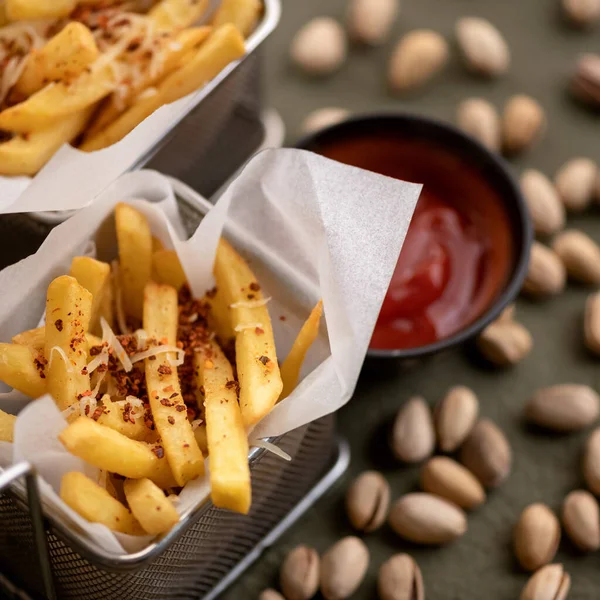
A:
<point x="68" y="309"/>
<point x="64" y="57"/>
<point x="19" y="369"/>
<point x="27" y="154"/>
<point x="173" y="54"/>
<point x="59" y="100"/>
<point x="173" y="15"/>
<point x="7" y="426"/>
<point x="115" y="417"/>
<point x="220" y="316"/>
<point x="225" y="431"/>
<point x="222" y="47"/>
<point x="149" y="505"/>
<point x="108" y="302"/>
<point x="35" y="339"/>
<point x="243" y="14"/>
<point x="94" y="276"/>
<point x="135" y="256"/>
<point x="95" y="504"/>
<point x="256" y="360"/>
<point x="29" y="10"/>
<point x="168" y="269"/>
<point x="290" y="369"/>
<point x="168" y="409"/>
<point x="111" y="451"/>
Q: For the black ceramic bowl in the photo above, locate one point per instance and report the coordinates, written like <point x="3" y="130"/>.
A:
<point x="489" y="167"/>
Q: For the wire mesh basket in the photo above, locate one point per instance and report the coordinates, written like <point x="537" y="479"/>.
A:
<point x="201" y="555"/>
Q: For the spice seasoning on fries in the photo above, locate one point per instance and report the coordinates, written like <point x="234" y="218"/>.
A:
<point x="148" y="405"/>
<point x="96" y="69"/>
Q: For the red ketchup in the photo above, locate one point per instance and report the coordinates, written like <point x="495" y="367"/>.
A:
<point x="458" y="252"/>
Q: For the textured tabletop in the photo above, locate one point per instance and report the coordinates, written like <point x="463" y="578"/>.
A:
<point x="546" y="468"/>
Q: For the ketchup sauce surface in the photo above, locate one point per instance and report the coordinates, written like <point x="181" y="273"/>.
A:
<point x="457" y="255"/>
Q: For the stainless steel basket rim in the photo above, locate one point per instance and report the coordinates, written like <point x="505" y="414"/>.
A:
<point x="271" y="16"/>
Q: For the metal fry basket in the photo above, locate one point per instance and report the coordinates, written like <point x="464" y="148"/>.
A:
<point x="201" y="555"/>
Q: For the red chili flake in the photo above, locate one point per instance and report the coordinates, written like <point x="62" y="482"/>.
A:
<point x="282" y="318"/>
<point x="84" y="371"/>
<point x="86" y="393"/>
<point x="158" y="450"/>
<point x="180" y="408"/>
<point x="169" y="388"/>
<point x="165" y="402"/>
<point x="102" y="368"/>
<point x="97" y="413"/>
<point x="211" y="293"/>
<point x="171" y="420"/>
<point x="250" y="296"/>
<point x="264" y="360"/>
<point x="259" y="331"/>
<point x="95" y="350"/>
<point x="254" y="286"/>
<point x="153" y="357"/>
<point x="165" y="370"/>
<point x="58" y="324"/>
<point x="186" y="445"/>
<point x="173" y="395"/>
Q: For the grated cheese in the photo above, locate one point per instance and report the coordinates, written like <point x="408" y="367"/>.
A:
<point x="250" y="303"/>
<point x="108" y="335"/>
<point x="98" y="383"/>
<point x="160" y="350"/>
<point x="63" y="355"/>
<point x="272" y="448"/>
<point x="196" y="423"/>
<point x="101" y="359"/>
<point x="141" y="337"/>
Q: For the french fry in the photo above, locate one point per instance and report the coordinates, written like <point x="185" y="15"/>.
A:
<point x="256" y="360"/>
<point x="113" y="417"/>
<point x="167" y="268"/>
<point x="290" y="369"/>
<point x="225" y="432"/>
<point x="243" y="14"/>
<point x="59" y="100"/>
<point x="7" y="427"/>
<point x="94" y="276"/>
<point x="156" y="244"/>
<point x="222" y="47"/>
<point x="18" y="369"/>
<point x="96" y="504"/>
<point x="173" y="15"/>
<point x="168" y="409"/>
<point x="64" y="57"/>
<point x="149" y="505"/>
<point x="28" y="10"/>
<point x="111" y="451"/>
<point x="185" y="41"/>
<point x="68" y="309"/>
<point x="108" y="302"/>
<point x="27" y="154"/>
<point x="135" y="257"/>
<point x="35" y="339"/>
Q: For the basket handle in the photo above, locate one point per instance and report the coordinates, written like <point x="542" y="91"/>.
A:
<point x="27" y="471"/>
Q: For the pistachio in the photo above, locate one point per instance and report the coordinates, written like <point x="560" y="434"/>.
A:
<point x="585" y="84"/>
<point x="591" y="323"/>
<point x="523" y="122"/>
<point x="505" y="344"/>
<point x="370" y="21"/>
<point x="445" y="477"/>
<point x="343" y="568"/>
<point x="270" y="595"/>
<point x="299" y="577"/>
<point x="400" y="579"/>
<point x="319" y="48"/>
<point x="413" y="435"/>
<point x="546" y="275"/>
<point x="324" y="117"/>
<point x="566" y="407"/>
<point x="427" y="519"/>
<point x="537" y="536"/>
<point x="575" y="182"/>
<point x="549" y="583"/>
<point x="484" y="49"/>
<point x="455" y="416"/>
<point x="487" y="454"/>
<point x="581" y="520"/>
<point x="418" y="56"/>
<point x="580" y="255"/>
<point x="481" y="120"/>
<point x="581" y="13"/>
<point x="545" y="207"/>
<point x="591" y="462"/>
<point x="368" y="501"/>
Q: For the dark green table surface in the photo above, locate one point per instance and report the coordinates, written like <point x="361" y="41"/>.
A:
<point x="546" y="468"/>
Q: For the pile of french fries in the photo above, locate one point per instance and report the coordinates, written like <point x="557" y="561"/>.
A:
<point x="88" y="72"/>
<point x="151" y="380"/>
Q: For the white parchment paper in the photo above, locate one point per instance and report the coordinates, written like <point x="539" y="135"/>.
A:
<point x="312" y="228"/>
